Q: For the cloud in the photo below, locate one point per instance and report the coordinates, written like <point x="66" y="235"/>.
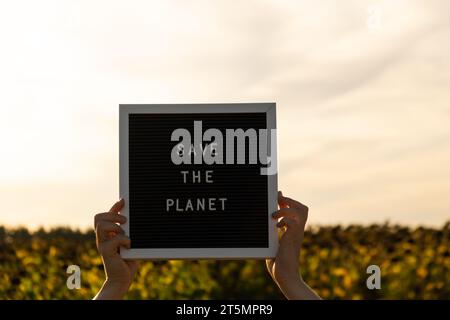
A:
<point x="362" y="114"/>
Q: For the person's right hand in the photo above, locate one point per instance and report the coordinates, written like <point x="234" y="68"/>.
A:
<point x="110" y="237"/>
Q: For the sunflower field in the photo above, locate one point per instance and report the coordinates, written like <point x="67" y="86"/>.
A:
<point x="414" y="264"/>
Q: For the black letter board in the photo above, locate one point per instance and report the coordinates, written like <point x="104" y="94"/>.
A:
<point x="197" y="210"/>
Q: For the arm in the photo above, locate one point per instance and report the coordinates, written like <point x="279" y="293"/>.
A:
<point x="284" y="269"/>
<point x="110" y="237"/>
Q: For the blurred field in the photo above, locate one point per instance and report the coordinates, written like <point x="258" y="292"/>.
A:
<point x="415" y="264"/>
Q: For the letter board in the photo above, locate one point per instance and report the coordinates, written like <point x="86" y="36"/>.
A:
<point x="217" y="203"/>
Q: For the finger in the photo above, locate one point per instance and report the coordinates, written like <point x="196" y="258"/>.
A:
<point x="108" y="216"/>
<point x="286" y="201"/>
<point x="287" y="222"/>
<point x="293" y="213"/>
<point x="291" y="203"/>
<point x="107" y="230"/>
<point x="281" y="203"/>
<point x="112" y="246"/>
<point x="117" y="206"/>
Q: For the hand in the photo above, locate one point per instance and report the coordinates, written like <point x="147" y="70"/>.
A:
<point x="284" y="269"/>
<point x="110" y="237"/>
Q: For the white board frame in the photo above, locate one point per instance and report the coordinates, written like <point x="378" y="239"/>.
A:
<point x="197" y="253"/>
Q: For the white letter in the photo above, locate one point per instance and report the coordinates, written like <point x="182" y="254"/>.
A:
<point x="169" y="203"/>
<point x="272" y="159"/>
<point x="189" y="205"/>
<point x="374" y="281"/>
<point x="208" y="176"/>
<point x="184" y="173"/>
<point x="217" y="157"/>
<point x="241" y="136"/>
<point x="198" y="156"/>
<point x="223" y="203"/>
<point x="177" y="201"/>
<point x="186" y="141"/>
<point x="211" y="202"/>
<point x="196" y="178"/>
<point x="201" y="203"/>
<point x="74" y="280"/>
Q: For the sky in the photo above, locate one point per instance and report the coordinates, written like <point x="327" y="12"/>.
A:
<point x="362" y="91"/>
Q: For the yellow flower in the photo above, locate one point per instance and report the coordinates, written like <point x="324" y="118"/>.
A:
<point x="339" y="272"/>
<point x="396" y="269"/>
<point x="338" y="292"/>
<point x="347" y="282"/>
<point x="52" y="252"/>
<point x="422" y="272"/>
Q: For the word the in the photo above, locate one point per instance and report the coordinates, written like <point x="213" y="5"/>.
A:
<point x="196" y="176"/>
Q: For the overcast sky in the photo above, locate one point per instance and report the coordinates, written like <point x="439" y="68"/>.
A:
<point x="362" y="91"/>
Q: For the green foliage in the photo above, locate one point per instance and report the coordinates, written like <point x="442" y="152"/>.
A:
<point x="415" y="264"/>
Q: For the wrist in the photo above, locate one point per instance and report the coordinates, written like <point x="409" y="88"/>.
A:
<point x="286" y="274"/>
<point x="112" y="290"/>
<point x="287" y="280"/>
<point x="294" y="288"/>
<point x="118" y="285"/>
